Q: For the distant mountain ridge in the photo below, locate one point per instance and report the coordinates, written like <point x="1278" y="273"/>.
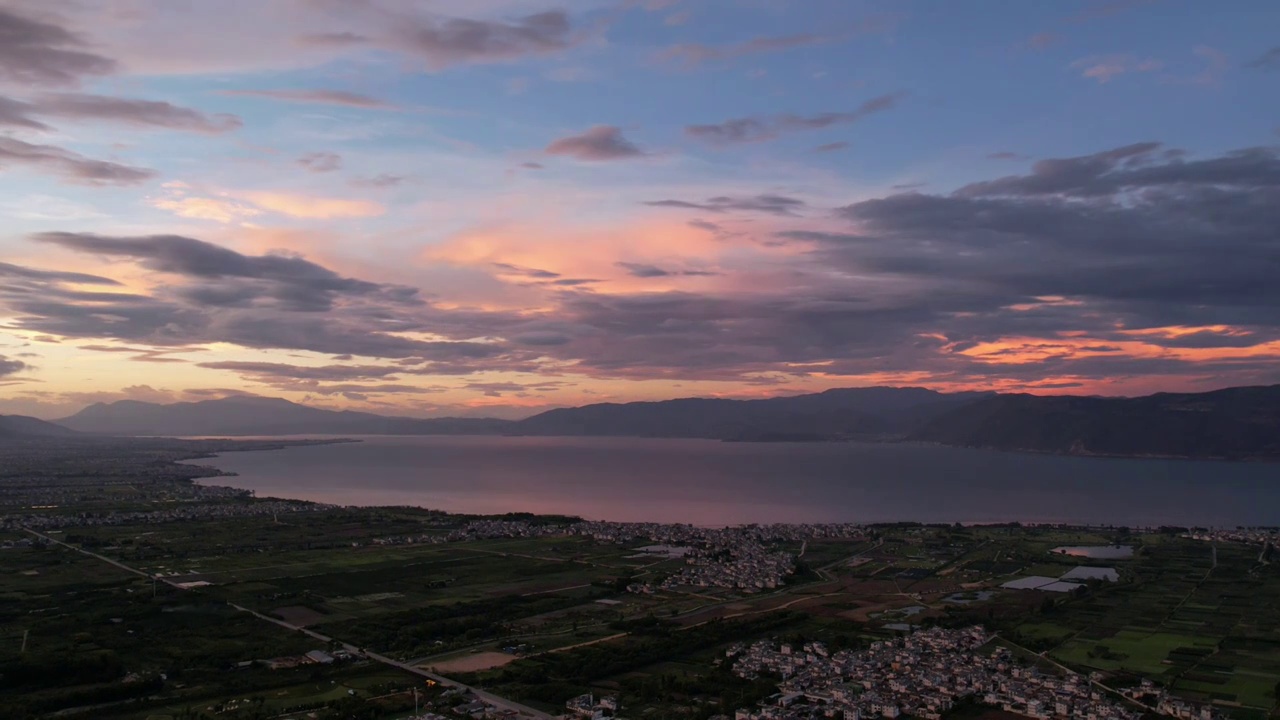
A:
<point x="252" y="415"/>
<point x="1235" y="423"/>
<point x="834" y="414"/>
<point x="1231" y="424"/>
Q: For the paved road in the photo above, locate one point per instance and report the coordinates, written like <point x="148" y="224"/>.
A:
<point x="494" y="700"/>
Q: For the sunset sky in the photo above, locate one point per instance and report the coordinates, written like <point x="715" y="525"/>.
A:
<point x="490" y="207"/>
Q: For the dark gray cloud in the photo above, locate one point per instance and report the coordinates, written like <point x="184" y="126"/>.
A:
<point x="33" y="52"/>
<point x="527" y="272"/>
<point x="541" y="338"/>
<point x="268" y="370"/>
<point x="71" y="167"/>
<point x="11" y="367"/>
<point x="602" y="142"/>
<point x="444" y="42"/>
<point x="321" y="162"/>
<point x="317" y="97"/>
<point x="1139" y="235"/>
<point x="1267" y="60"/>
<point x="1006" y="155"/>
<point x="759" y="129"/>
<point x="771" y="204"/>
<point x="10" y="271"/>
<point x="15" y="113"/>
<point x="1140" y="166"/>
<point x="645" y="270"/>
<point x="831" y="147"/>
<point x="128" y="111"/>
<point x="228" y="278"/>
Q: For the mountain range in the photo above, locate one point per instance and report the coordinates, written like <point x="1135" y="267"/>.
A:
<point x="1236" y="423"/>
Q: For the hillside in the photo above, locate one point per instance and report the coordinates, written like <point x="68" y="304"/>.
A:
<point x="21" y="426"/>
<point x="251" y="415"/>
<point x="1236" y="423"/>
<point x="834" y="414"/>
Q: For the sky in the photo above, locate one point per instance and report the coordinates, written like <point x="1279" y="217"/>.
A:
<point x="492" y="207"/>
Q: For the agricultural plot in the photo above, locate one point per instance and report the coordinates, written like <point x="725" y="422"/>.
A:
<point x="1202" y="621"/>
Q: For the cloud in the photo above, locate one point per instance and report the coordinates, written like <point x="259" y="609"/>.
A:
<point x="203" y="293"/>
<point x="532" y="166"/>
<point x="445" y="42"/>
<point x="228" y="206"/>
<point x="1040" y="41"/>
<point x="645" y="270"/>
<point x="11" y="367"/>
<point x="15" y="113"/>
<point x="269" y="370"/>
<point x="759" y="129"/>
<point x="335" y="39"/>
<point x="1267" y="60"/>
<point x="317" y="97"/>
<point x="41" y="54"/>
<point x="1103" y="271"/>
<point x="1215" y="64"/>
<point x="602" y="142"/>
<point x="694" y="54"/>
<point x="293" y="282"/>
<point x="1105" y="67"/>
<point x="527" y="272"/>
<point x="771" y="204"/>
<point x="18" y="272"/>
<point x="1006" y="155"/>
<point x="831" y="147"/>
<point x="312" y="207"/>
<point x="218" y="209"/>
<point x="384" y="180"/>
<point x="131" y="111"/>
<point x="69" y="166"/>
<point x="321" y="162"/>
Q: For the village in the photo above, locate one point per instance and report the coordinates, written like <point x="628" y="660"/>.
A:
<point x="925" y="675"/>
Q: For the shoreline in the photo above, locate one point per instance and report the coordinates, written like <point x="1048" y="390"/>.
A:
<point x="452" y="501"/>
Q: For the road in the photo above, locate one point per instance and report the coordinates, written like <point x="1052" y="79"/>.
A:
<point x="494" y="700"/>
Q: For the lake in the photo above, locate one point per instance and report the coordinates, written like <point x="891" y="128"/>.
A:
<point x="706" y="482"/>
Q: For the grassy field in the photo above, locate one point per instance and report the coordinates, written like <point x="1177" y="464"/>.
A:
<point x="1201" y="621"/>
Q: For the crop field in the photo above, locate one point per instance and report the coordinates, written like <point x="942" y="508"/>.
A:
<point x="1201" y="620"/>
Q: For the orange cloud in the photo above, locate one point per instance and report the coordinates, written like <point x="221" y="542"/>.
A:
<point x="207" y="208"/>
<point x="238" y="206"/>
<point x="613" y="255"/>
<point x="311" y="207"/>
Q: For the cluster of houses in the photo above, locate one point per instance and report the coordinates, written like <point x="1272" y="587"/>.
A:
<point x="681" y="534"/>
<point x="748" y="566"/>
<point x="1253" y="536"/>
<point x="923" y="675"/>
<point x="590" y="707"/>
<point x="313" y="657"/>
<point x="1149" y="694"/>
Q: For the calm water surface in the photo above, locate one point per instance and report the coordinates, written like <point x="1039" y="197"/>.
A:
<point x="713" y="483"/>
